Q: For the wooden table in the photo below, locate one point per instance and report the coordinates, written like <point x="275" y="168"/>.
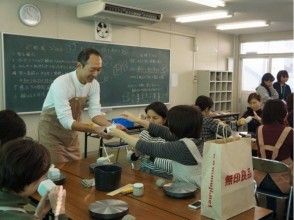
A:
<point x="79" y="198"/>
<point x="153" y="196"/>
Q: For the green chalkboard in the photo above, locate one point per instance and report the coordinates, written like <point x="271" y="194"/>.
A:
<point x="130" y="75"/>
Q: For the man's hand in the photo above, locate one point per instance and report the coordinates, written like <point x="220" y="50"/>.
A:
<point x="101" y="131"/>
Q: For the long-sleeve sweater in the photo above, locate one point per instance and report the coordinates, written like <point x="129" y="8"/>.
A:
<point x="173" y="149"/>
<point x="264" y="94"/>
<point x="209" y="129"/>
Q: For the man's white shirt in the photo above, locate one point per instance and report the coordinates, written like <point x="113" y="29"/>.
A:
<point x="66" y="87"/>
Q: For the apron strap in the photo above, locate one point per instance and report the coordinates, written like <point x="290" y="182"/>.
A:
<point x="275" y="149"/>
<point x="280" y="141"/>
<point x="193" y="149"/>
<point x="261" y="142"/>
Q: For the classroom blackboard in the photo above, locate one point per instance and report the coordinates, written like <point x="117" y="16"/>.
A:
<point x="130" y="75"/>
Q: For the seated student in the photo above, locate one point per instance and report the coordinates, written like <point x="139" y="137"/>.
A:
<point x="275" y="141"/>
<point x="156" y="113"/>
<point x="184" y="146"/>
<point x="290" y="110"/>
<point x="23" y="165"/>
<point x="266" y="89"/>
<point x="254" y="111"/>
<point x="281" y="87"/>
<point x="273" y="119"/>
<point x="11" y="126"/>
<point x="210" y="126"/>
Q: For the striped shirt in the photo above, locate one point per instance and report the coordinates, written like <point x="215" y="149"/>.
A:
<point x="160" y="165"/>
<point x="173" y="149"/>
<point x="209" y="129"/>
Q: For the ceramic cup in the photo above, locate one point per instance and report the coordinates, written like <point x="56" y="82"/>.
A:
<point x="45" y="186"/>
<point x="54" y="173"/>
<point x="138" y="189"/>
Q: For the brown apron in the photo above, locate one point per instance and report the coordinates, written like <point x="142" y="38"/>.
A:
<point x="282" y="180"/>
<point x="63" y="144"/>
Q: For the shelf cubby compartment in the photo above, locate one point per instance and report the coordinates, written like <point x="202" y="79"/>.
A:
<point x="229" y="86"/>
<point x="223" y="106"/>
<point x="217" y="106"/>
<point x="212" y="86"/>
<point x="223" y="96"/>
<point x="217" y="97"/>
<point x="229" y="96"/>
<point x="218" y="86"/>
<point x="228" y="107"/>
<point x="230" y="76"/>
<point x="224" y="86"/>
<point x="212" y="95"/>
<point x="218" y="76"/>
<point x="212" y="76"/>
<point x="224" y="76"/>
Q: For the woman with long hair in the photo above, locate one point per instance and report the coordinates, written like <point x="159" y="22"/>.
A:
<point x="266" y="89"/>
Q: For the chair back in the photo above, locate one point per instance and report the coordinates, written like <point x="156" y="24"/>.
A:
<point x="269" y="166"/>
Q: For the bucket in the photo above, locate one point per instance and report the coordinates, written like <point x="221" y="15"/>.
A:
<point x="107" y="177"/>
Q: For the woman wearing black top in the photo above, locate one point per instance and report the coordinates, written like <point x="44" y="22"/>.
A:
<point x="290" y="110"/>
<point x="282" y="88"/>
<point x="252" y="116"/>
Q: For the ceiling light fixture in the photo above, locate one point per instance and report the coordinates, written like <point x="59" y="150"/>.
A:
<point x="210" y="3"/>
<point x="241" y="25"/>
<point x="204" y="16"/>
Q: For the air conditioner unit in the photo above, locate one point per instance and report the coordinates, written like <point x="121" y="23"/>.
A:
<point x="117" y="14"/>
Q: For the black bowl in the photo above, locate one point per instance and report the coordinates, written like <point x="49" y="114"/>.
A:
<point x="60" y="180"/>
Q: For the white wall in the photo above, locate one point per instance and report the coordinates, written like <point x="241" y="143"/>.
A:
<point x="60" y="22"/>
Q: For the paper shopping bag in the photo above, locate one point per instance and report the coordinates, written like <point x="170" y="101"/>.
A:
<point x="227" y="187"/>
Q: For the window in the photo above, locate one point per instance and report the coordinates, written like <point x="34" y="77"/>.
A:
<point x="258" y="58"/>
<point x="252" y="71"/>
<point x="283" y="64"/>
<point x="268" y="47"/>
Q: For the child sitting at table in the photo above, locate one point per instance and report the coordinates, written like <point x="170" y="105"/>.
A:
<point x="252" y="116"/>
<point x="184" y="145"/>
